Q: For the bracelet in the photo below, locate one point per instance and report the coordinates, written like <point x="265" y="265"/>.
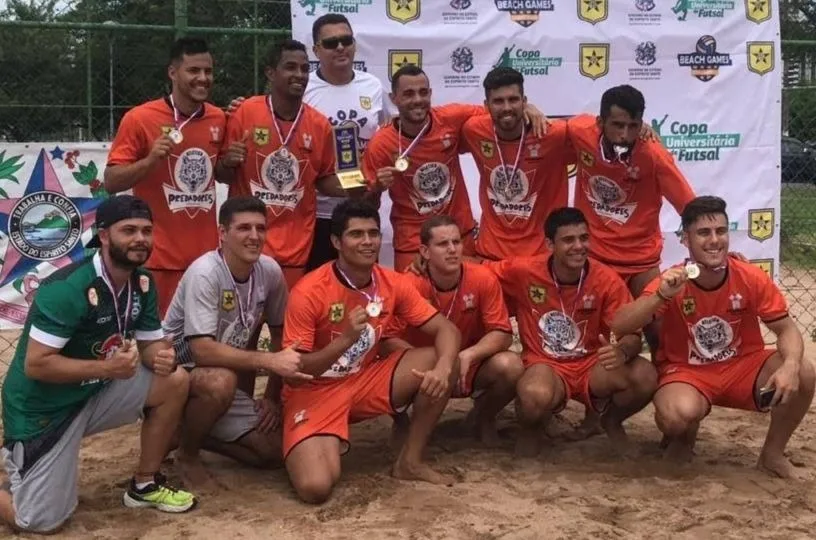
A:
<point x="663" y="296"/>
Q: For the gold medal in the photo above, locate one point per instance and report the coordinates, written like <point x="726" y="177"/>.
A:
<point x="401" y="164"/>
<point x="692" y="270"/>
<point x="175" y="136"/>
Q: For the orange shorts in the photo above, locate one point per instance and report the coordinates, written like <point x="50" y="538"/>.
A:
<point x="292" y="274"/>
<point x="575" y="375"/>
<point x="725" y="384"/>
<point x="403" y="258"/>
<point x="470" y="379"/>
<point x="166" y="283"/>
<point x="328" y="406"/>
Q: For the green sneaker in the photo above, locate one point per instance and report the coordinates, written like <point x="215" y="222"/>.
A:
<point x="160" y="496"/>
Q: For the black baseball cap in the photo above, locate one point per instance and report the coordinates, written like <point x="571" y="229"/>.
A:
<point x="116" y="209"/>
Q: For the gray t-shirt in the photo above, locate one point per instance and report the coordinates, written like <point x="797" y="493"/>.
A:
<point x="208" y="302"/>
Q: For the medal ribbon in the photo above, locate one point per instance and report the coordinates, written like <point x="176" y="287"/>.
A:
<point x="512" y="174"/>
<point x="371" y="299"/>
<point x="121" y="320"/>
<point x="422" y="131"/>
<point x="242" y="313"/>
<point x="177" y="114"/>
<point x="295" y="122"/>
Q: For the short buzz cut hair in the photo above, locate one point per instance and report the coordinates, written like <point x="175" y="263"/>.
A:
<point x="408" y="70"/>
<point x="500" y="77"/>
<point x="702" y="206"/>
<point x="349" y="209"/>
<point x="188" y="46"/>
<point x="562" y="217"/>
<point x="426" y="231"/>
<point x="625" y="96"/>
<point x="325" y="20"/>
<point x="236" y="205"/>
<point x="276" y="51"/>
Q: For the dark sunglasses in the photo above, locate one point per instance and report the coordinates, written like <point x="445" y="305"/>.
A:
<point x="334" y="42"/>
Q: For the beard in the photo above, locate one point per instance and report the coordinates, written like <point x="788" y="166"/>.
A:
<point x="128" y="259"/>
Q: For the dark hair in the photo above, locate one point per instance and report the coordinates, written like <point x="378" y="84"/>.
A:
<point x="561" y="217"/>
<point x="187" y="45"/>
<point x="276" y="51"/>
<point x="428" y="226"/>
<point x="500" y="77"/>
<point x="352" y="208"/>
<point x="409" y="70"/>
<point x="627" y="97"/>
<point x="705" y="205"/>
<point x="236" y="205"/>
<point x="325" y="20"/>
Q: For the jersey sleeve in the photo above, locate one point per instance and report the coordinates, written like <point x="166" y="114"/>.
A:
<point x="494" y="308"/>
<point x="235" y="128"/>
<point x="673" y="184"/>
<point x="456" y="114"/>
<point x="300" y="320"/>
<point x="375" y="156"/>
<point x="57" y="312"/>
<point x="771" y="304"/>
<point x="561" y="130"/>
<point x="277" y="296"/>
<point x="129" y="145"/>
<point x="651" y="290"/>
<point x="148" y="326"/>
<point x="328" y="159"/>
<point x="505" y="272"/>
<point x="617" y="296"/>
<point x="411" y="307"/>
<point x="202" y="297"/>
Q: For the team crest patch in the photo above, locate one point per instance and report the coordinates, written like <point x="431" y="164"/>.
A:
<point x="761" y="57"/>
<point x="398" y="58"/>
<point x="593" y="11"/>
<point x="403" y="11"/>
<point x="758" y="11"/>
<point x="587" y="159"/>
<point x="165" y="130"/>
<point x="93" y="298"/>
<point x="365" y="102"/>
<point x="487" y="149"/>
<point x="336" y="312"/>
<point x="766" y="265"/>
<point x="537" y="294"/>
<point x="261" y="136"/>
<point x="762" y="224"/>
<point x="144" y="283"/>
<point x="689" y="306"/>
<point x="594" y="59"/>
<point x="227" y="300"/>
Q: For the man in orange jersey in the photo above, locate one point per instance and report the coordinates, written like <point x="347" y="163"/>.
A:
<point x="416" y="158"/>
<point x="335" y="318"/>
<point x="165" y="151"/>
<point x="469" y="295"/>
<point x="523" y="175"/>
<point x="565" y="303"/>
<point x="711" y="347"/>
<point x="281" y="150"/>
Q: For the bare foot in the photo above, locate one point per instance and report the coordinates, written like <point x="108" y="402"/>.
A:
<point x="487" y="433"/>
<point x="679" y="451"/>
<point x="399" y="431"/>
<point x="616" y="433"/>
<point x="777" y="465"/>
<point x="528" y="443"/>
<point x="589" y="427"/>
<point x="419" y="471"/>
<point x="193" y="473"/>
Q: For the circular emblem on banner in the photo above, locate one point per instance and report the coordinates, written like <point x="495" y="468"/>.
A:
<point x="193" y="170"/>
<point x="606" y="191"/>
<point x="280" y="173"/>
<point x="44" y="225"/>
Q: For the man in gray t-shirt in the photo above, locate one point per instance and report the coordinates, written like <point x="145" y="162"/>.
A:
<point x="215" y="319"/>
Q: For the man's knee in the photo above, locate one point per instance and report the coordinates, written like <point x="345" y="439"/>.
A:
<point x="536" y="396"/>
<point x="807" y="376"/>
<point x="314" y="488"/>
<point x="214" y="384"/>
<point x="508" y="367"/>
<point x="677" y="416"/>
<point x="42" y="523"/>
<point x="642" y="376"/>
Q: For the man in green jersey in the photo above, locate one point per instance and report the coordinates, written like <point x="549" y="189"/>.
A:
<point x="92" y="357"/>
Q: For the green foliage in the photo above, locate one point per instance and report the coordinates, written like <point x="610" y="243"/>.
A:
<point x="802" y="113"/>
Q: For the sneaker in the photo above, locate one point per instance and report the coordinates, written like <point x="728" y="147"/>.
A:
<point x="160" y="496"/>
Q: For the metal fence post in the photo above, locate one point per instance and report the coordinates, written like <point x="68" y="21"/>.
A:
<point x="180" y="18"/>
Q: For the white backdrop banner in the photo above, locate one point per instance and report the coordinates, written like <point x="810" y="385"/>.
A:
<point x="709" y="70"/>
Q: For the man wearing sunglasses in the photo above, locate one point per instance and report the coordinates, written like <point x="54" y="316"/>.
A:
<point x="346" y="96"/>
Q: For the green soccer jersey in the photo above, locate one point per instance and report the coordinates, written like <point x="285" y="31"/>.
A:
<point x="73" y="311"/>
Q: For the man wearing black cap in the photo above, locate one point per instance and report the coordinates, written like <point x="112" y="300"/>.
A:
<point x="92" y="357"/>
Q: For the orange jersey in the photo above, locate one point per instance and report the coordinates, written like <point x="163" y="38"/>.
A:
<point x="562" y="326"/>
<point x="513" y="213"/>
<point x="180" y="190"/>
<point x="705" y="326"/>
<point x="286" y="182"/>
<point x="622" y="201"/>
<point x="476" y="305"/>
<point x="433" y="183"/>
<point x="319" y="305"/>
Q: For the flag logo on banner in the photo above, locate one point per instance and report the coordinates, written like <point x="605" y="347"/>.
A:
<point x="762" y="224"/>
<point x="525" y="13"/>
<point x="705" y="61"/>
<point x="403" y="11"/>
<point x="403" y="57"/>
<point x="594" y="59"/>
<point x="593" y="11"/>
<point x="766" y="265"/>
<point x="758" y="11"/>
<point x="761" y="57"/>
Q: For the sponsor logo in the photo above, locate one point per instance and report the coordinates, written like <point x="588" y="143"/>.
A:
<point x="403" y="11"/>
<point x="594" y="59"/>
<point x="332" y="6"/>
<point x="704" y="9"/>
<point x="689" y="306"/>
<point x="461" y="14"/>
<point x="44" y="225"/>
<point x="462" y="66"/>
<point x="525" y="12"/>
<point x="766" y="265"/>
<point x="760" y="57"/>
<point x="403" y="57"/>
<point x="228" y="300"/>
<point x="593" y="11"/>
<point x="359" y="65"/>
<point x="527" y="61"/>
<point x="705" y="61"/>
<point x="693" y="142"/>
<point x="537" y="294"/>
<point x="758" y="11"/>
<point x="645" y="57"/>
<point x="644" y="14"/>
<point x="336" y="312"/>
<point x="762" y="224"/>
